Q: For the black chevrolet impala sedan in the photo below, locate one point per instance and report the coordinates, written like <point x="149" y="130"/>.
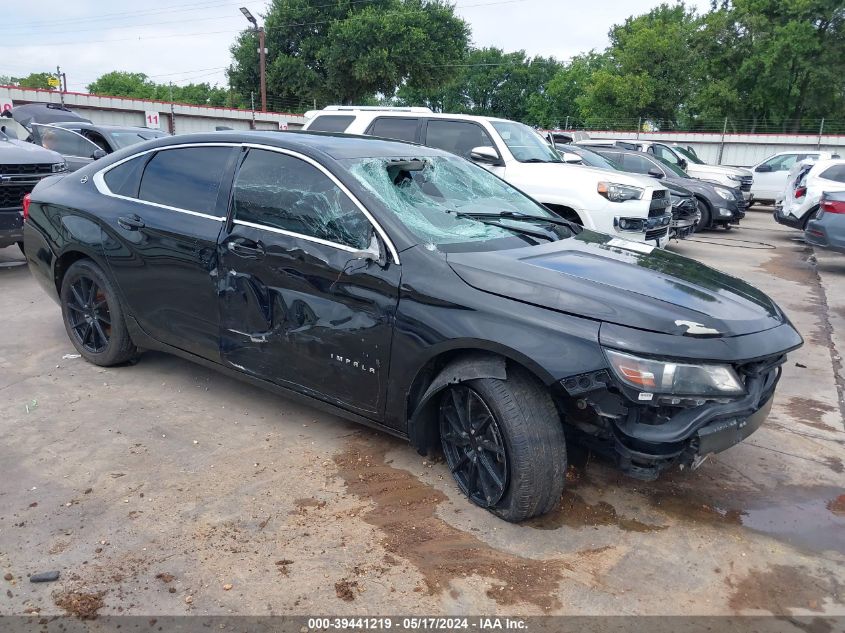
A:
<point x="410" y="290"/>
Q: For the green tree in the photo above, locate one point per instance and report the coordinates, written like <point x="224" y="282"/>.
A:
<point x="648" y="69"/>
<point x="346" y="51"/>
<point x="34" y="80"/>
<point x="774" y="63"/>
<point x="558" y="103"/>
<point x="138" y="86"/>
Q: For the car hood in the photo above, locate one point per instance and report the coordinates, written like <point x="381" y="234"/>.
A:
<point x="607" y="279"/>
<point x="21" y="152"/>
<point x="718" y="169"/>
<point x="552" y="176"/>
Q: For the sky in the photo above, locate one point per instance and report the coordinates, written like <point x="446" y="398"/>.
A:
<point x="187" y="41"/>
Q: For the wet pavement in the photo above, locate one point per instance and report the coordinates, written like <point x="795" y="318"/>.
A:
<point x="166" y="488"/>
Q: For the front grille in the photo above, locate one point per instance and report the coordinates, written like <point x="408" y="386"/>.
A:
<point x="659" y="203"/>
<point x="26" y="169"/>
<point x="745" y="183"/>
<point x="11" y="196"/>
<point x="656" y="234"/>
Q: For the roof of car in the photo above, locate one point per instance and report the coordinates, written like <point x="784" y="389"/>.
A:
<point x="338" y="146"/>
<point x="403" y="113"/>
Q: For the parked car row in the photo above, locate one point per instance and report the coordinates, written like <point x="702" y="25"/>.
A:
<point x="56" y="140"/>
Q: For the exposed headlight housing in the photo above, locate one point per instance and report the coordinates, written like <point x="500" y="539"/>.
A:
<point x="725" y="194"/>
<point x="59" y="167"/>
<point x="680" y="379"/>
<point x="619" y="193"/>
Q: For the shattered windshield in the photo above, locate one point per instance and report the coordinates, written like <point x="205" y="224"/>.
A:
<point x="526" y="145"/>
<point x="429" y="195"/>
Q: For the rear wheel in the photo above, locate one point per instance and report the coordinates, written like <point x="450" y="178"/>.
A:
<point x="503" y="441"/>
<point x="93" y="316"/>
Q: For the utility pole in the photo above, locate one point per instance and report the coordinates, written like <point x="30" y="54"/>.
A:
<point x="262" y="56"/>
<point x="59" y="76"/>
<point x="821" y="132"/>
<point x="252" y="102"/>
<point x="722" y="144"/>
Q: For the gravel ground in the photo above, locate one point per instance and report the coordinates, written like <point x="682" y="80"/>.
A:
<point x="166" y="488"/>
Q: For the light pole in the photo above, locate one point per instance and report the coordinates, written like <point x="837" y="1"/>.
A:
<point x="262" y="52"/>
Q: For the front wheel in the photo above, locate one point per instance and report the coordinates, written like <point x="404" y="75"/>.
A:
<point x="93" y="316"/>
<point x="704" y="217"/>
<point x="503" y="441"/>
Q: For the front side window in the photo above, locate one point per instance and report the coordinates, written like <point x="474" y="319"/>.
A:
<point x="457" y="137"/>
<point x="526" y="145"/>
<point x="398" y="128"/>
<point x="661" y="151"/>
<point x="427" y="195"/>
<point x="186" y="178"/>
<point x="638" y="164"/>
<point x="65" y="142"/>
<point x="282" y="192"/>
<point x="690" y="156"/>
<point x="125" y="138"/>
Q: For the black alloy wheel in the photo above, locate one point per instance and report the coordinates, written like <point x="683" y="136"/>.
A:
<point x="89" y="316"/>
<point x="473" y="445"/>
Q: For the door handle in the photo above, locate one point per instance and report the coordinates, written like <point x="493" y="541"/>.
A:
<point x="246" y="249"/>
<point x="131" y="222"/>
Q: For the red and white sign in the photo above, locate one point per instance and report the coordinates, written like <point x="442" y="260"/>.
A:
<point x="6" y="104"/>
<point x="151" y="119"/>
<point x="283" y="125"/>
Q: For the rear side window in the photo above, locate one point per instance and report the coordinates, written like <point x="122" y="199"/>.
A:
<point x="330" y="123"/>
<point x="187" y="178"/>
<point x="126" y="177"/>
<point x="397" y="128"/>
<point x="282" y="192"/>
<point x="458" y="137"/>
<point x="835" y="173"/>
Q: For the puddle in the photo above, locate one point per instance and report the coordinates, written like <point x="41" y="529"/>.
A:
<point x="810" y="518"/>
<point x="405" y="512"/>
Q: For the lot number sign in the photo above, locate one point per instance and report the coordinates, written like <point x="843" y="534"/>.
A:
<point x="151" y="119"/>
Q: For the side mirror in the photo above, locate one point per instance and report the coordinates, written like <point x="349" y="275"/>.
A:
<point x="763" y="168"/>
<point x="654" y="172"/>
<point x="98" y="153"/>
<point x="683" y="163"/>
<point x="571" y="157"/>
<point x="485" y="154"/>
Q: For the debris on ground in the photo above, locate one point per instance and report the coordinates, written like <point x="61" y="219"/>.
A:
<point x="71" y="356"/>
<point x="227" y="586"/>
<point x="10" y="577"/>
<point x="165" y="577"/>
<point x="345" y="589"/>
<point x="31" y="406"/>
<point x="44" y="576"/>
<point x="82" y="605"/>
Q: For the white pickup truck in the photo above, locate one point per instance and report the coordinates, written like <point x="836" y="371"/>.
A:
<point x="625" y="206"/>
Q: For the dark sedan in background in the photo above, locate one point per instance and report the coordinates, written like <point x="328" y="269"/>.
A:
<point x="408" y="289"/>
<point x="827" y="228"/>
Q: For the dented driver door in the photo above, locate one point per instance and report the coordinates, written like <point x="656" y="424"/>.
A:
<point x="299" y="305"/>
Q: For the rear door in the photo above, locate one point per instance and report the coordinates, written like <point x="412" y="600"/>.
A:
<point x="299" y="307"/>
<point x="162" y="248"/>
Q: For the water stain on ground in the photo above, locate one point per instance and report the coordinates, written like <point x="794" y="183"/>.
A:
<point x="781" y="588"/>
<point x="405" y="512"/>
<point x="809" y="412"/>
<point x="574" y="512"/>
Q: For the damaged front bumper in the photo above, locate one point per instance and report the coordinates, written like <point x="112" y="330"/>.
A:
<point x="645" y="436"/>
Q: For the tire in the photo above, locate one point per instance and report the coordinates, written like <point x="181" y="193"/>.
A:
<point x="93" y="316"/>
<point x="706" y="217"/>
<point x="20" y="246"/>
<point x="526" y="426"/>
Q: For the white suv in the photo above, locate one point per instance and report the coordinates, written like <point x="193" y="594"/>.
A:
<point x="622" y="205"/>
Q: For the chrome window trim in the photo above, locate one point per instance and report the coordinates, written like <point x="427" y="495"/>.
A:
<point x="100" y="183"/>
<point x="280" y="150"/>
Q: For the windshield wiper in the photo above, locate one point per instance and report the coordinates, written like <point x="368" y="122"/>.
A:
<point x="513" y="229"/>
<point x="525" y="217"/>
<point x="539" y="160"/>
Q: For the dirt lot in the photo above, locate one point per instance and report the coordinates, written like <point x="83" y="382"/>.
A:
<point x="165" y="488"/>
